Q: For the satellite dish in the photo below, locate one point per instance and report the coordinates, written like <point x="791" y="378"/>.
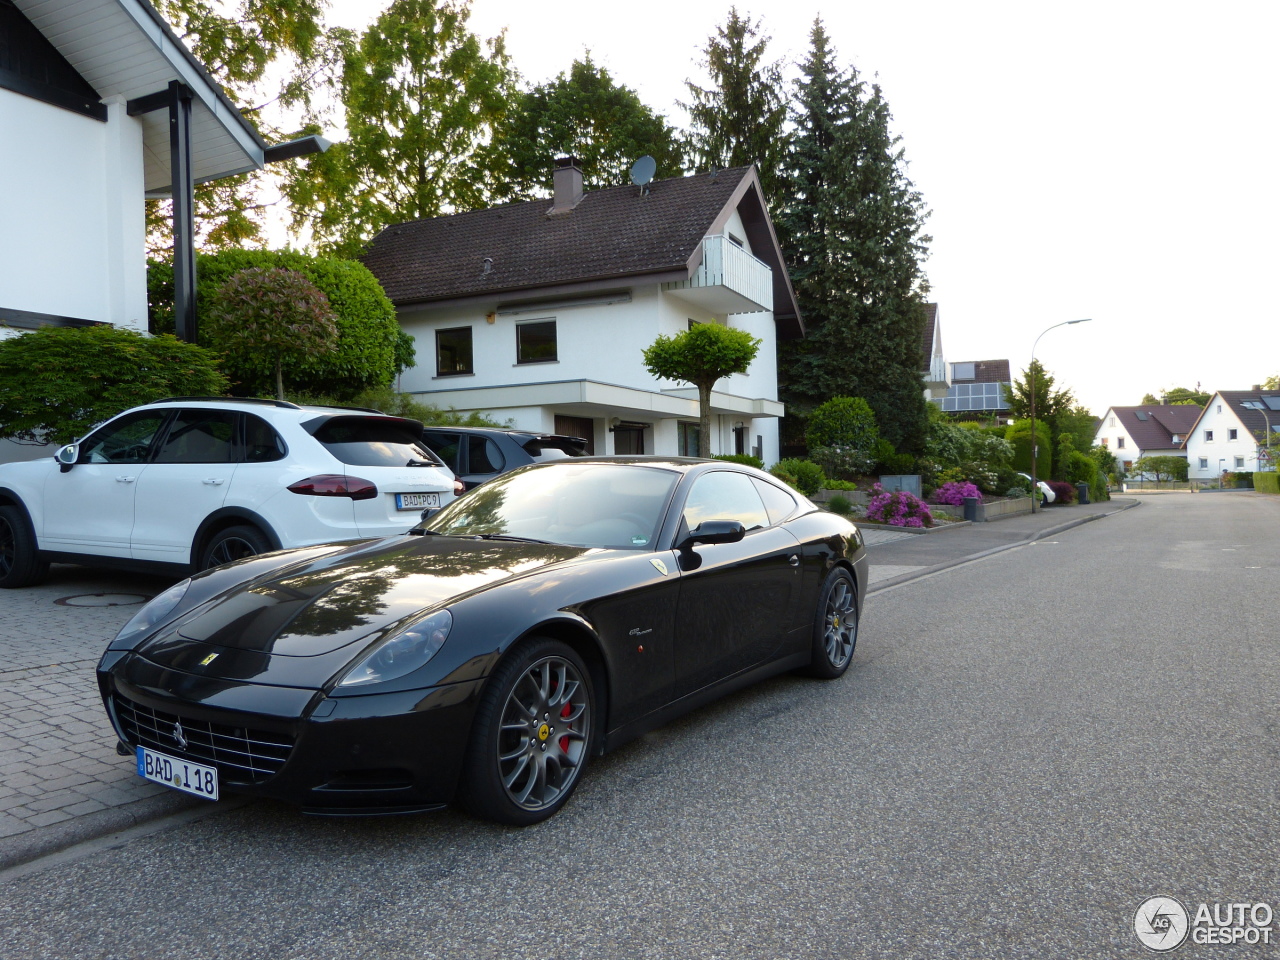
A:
<point x="642" y="170"/>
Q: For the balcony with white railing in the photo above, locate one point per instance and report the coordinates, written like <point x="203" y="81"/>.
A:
<point x="729" y="280"/>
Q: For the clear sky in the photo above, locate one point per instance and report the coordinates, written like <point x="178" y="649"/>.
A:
<point x="1116" y="161"/>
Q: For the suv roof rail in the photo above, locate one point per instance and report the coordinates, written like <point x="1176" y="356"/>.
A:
<point x="274" y="403"/>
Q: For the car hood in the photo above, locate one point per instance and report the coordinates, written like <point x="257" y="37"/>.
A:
<point x="299" y="627"/>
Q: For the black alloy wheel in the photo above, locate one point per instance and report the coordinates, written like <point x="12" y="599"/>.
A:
<point x="20" y="562"/>
<point x="233" y="543"/>
<point x="835" y="628"/>
<point x="532" y="735"/>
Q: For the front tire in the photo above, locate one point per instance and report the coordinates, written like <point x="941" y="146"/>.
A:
<point x="835" y="626"/>
<point x="233" y="543"/>
<point x="533" y="732"/>
<point x="20" y="561"/>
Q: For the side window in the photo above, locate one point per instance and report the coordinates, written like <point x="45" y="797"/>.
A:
<point x="725" y="496"/>
<point x="200" y="436"/>
<point x="128" y="440"/>
<point x="483" y="455"/>
<point x="261" y="442"/>
<point x="778" y="503"/>
<point x="445" y="446"/>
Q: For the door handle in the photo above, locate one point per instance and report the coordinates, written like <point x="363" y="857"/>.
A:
<point x="794" y="560"/>
<point x="125" y="479"/>
<point x="213" y="481"/>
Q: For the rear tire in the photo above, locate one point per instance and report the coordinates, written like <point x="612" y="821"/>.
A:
<point x="20" y="561"/>
<point x="835" y="626"/>
<point x="533" y="732"/>
<point x="233" y="543"/>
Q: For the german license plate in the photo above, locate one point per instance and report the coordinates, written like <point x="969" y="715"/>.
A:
<point x="183" y="775"/>
<point x="416" y="501"/>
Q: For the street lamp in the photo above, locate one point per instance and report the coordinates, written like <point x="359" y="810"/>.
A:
<point x="1034" y="484"/>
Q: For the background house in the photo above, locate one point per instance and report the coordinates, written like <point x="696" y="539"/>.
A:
<point x="1132" y="433"/>
<point x="1229" y="433"/>
<point x="538" y="312"/>
<point x="977" y="389"/>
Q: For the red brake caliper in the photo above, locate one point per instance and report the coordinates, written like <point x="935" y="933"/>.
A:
<point x="564" y="741"/>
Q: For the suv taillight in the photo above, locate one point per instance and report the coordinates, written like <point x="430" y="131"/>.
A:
<point x="335" y="485"/>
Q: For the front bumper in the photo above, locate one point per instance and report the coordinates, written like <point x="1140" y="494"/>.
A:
<point x="378" y="753"/>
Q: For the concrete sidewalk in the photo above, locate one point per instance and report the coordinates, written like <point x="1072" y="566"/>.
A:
<point x="61" y="781"/>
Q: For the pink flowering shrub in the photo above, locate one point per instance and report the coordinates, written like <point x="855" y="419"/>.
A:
<point x="898" y="508"/>
<point x="954" y="493"/>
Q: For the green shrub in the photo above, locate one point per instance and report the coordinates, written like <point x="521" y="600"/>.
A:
<point x="58" y="382"/>
<point x="1164" y="469"/>
<point x="745" y="459"/>
<point x="371" y="346"/>
<point x="1019" y="435"/>
<point x="842" y="436"/>
<point x="397" y="404"/>
<point x="788" y="478"/>
<point x="830" y="484"/>
<point x="840" y="505"/>
<point x="808" y="475"/>
<point x="1266" y="482"/>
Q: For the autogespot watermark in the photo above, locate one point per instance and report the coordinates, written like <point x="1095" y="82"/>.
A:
<point x="1163" y="923"/>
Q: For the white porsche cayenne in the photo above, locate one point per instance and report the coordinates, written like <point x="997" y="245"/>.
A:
<point x="190" y="483"/>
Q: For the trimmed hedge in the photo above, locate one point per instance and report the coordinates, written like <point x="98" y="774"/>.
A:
<point x="370" y="342"/>
<point x="1266" y="482"/>
<point x="1019" y="434"/>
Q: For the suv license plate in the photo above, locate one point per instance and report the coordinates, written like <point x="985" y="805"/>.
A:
<point x="416" y="501"/>
<point x="193" y="778"/>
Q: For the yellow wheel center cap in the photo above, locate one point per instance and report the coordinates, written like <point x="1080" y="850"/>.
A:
<point x="835" y="622"/>
<point x="544" y="731"/>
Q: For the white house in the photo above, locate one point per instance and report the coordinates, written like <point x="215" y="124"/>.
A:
<point x="1153" y="430"/>
<point x="1230" y="433"/>
<point x="538" y="312"/>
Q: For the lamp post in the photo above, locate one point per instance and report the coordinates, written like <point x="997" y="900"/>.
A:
<point x="1032" y="368"/>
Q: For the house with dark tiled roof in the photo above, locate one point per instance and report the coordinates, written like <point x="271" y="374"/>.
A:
<point x="977" y="388"/>
<point x="538" y="312"/>
<point x="1153" y="430"/>
<point x="1236" y="430"/>
<point x="933" y="369"/>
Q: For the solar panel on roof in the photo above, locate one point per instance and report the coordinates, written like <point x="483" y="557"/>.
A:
<point x="1273" y="403"/>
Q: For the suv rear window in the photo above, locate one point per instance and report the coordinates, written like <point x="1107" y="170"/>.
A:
<point x="375" y="442"/>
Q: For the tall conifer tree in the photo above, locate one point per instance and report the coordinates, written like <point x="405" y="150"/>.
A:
<point x="851" y="223"/>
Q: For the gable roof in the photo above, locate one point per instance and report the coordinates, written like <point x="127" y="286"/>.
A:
<point x="984" y="371"/>
<point x="1255" y="421"/>
<point x="124" y="48"/>
<point x="927" y="336"/>
<point x="614" y="234"/>
<point x="1155" y="429"/>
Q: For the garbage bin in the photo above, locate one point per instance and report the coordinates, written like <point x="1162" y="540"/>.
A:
<point x="973" y="511"/>
<point x="1082" y="492"/>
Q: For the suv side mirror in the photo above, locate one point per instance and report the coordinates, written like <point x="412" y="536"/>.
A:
<point x="714" y="531"/>
<point x="67" y="456"/>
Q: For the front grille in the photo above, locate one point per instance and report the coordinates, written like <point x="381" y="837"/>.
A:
<point x="240" y="754"/>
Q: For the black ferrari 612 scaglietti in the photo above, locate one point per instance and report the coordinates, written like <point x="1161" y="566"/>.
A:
<point x="539" y="620"/>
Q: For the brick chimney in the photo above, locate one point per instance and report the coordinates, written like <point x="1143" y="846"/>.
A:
<point x="567" y="184"/>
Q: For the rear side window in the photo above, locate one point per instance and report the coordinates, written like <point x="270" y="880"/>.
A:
<point x="375" y="442"/>
<point x="779" y="503"/>
<point x="200" y="436"/>
<point x="483" y="455"/>
<point x="261" y="442"/>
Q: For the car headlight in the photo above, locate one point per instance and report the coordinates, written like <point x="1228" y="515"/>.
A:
<point x="150" y="616"/>
<point x="402" y="652"/>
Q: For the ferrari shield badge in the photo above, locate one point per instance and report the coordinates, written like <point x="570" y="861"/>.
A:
<point x="659" y="565"/>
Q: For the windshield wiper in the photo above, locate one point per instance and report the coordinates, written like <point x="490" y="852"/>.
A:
<point x="508" y="536"/>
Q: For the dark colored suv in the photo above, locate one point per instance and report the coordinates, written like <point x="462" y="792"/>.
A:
<point x="477" y="454"/>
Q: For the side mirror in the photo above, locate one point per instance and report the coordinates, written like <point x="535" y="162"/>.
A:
<point x="714" y="531"/>
<point x="67" y="456"/>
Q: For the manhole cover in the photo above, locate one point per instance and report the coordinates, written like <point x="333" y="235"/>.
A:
<point x="102" y="600"/>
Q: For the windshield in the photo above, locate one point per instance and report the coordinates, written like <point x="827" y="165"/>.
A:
<point x="580" y="504"/>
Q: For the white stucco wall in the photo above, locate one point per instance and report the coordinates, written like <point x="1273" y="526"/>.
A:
<point x="1221" y="420"/>
<point x="72" y="220"/>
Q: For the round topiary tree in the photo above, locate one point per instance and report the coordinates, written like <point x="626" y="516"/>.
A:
<point x="842" y="436"/>
<point x="267" y="317"/>
<point x="58" y="382"/>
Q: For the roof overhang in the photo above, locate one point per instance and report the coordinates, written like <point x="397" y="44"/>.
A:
<point x="125" y="49"/>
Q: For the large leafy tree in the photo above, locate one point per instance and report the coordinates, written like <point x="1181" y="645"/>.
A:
<point x="702" y="355"/>
<point x="851" y="224"/>
<point x="739" y="118"/>
<point x="422" y="98"/>
<point x="269" y="57"/>
<point x="1178" y="395"/>
<point x="1050" y="403"/>
<point x="582" y="113"/>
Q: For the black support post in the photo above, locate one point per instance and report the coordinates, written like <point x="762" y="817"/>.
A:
<point x="184" y="240"/>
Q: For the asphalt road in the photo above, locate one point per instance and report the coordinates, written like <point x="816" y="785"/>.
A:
<point x="1025" y="748"/>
